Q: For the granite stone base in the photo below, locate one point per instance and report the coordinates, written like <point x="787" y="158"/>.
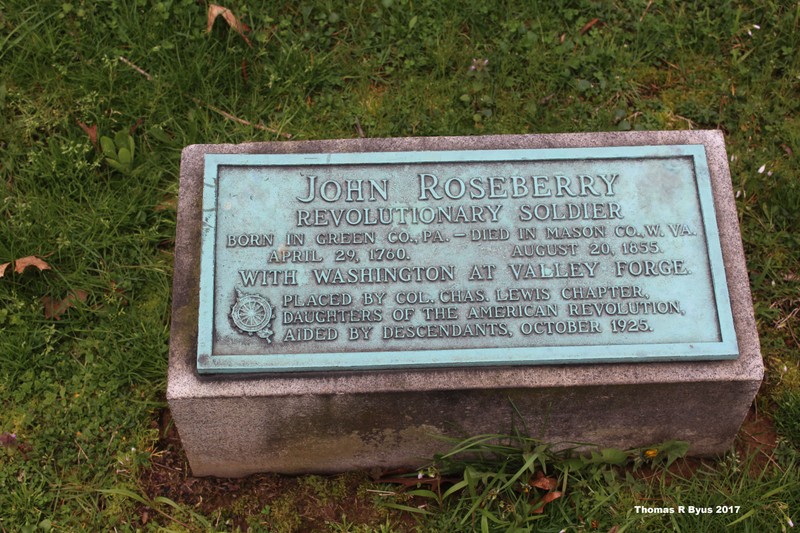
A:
<point x="235" y="425"/>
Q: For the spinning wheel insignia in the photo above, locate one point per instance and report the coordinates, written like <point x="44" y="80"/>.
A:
<point x="252" y="313"/>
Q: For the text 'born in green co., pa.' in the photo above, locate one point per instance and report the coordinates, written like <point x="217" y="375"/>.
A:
<point x="347" y="261"/>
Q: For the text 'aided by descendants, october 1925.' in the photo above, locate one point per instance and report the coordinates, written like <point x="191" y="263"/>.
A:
<point x="371" y="260"/>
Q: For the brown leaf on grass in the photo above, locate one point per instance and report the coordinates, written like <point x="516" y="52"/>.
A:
<point x="24" y="262"/>
<point x="588" y="26"/>
<point x="3" y="268"/>
<point x="135" y="127"/>
<point x="547" y="498"/>
<point x="91" y="131"/>
<point x="541" y="482"/>
<point x="55" y="308"/>
<point x="240" y="27"/>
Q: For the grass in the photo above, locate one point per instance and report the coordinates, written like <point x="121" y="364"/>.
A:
<point x="519" y="484"/>
<point x="80" y="392"/>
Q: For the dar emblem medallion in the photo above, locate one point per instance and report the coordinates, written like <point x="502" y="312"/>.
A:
<point x="252" y="313"/>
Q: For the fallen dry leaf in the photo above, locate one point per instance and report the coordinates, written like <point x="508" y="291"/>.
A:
<point x="24" y="262"/>
<point x="240" y="27"/>
<point x="547" y="498"/>
<point x="135" y="127"/>
<point x="588" y="26"/>
<point x="541" y="482"/>
<point x="91" y="131"/>
<point x="55" y="308"/>
<point x="3" y="268"/>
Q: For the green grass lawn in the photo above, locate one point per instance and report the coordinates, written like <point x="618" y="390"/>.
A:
<point x="83" y="344"/>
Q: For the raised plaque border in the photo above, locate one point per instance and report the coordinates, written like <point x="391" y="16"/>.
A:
<point x="726" y="348"/>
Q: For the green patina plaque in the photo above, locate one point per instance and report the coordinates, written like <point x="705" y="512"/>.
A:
<point x="460" y="258"/>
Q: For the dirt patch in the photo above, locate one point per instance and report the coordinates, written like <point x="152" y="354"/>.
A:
<point x="263" y="502"/>
<point x="757" y="438"/>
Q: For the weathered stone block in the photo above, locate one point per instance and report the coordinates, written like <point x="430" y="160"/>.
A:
<point x="328" y="418"/>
